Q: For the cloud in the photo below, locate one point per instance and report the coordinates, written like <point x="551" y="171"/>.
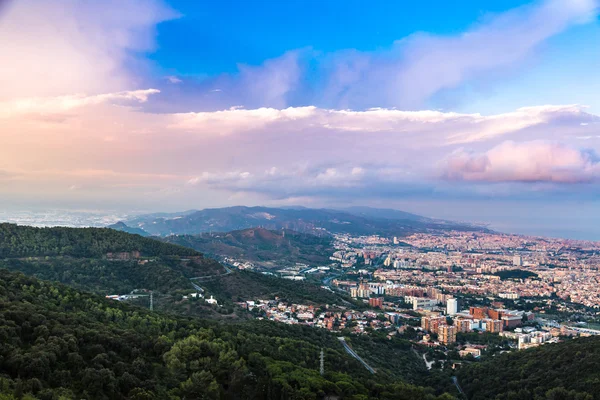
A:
<point x="60" y="104"/>
<point x="271" y="83"/>
<point x="299" y="181"/>
<point x="106" y="142"/>
<point x="54" y="48"/>
<point x="406" y="75"/>
<point x="445" y="127"/>
<point x="173" y="79"/>
<point x="534" y="161"/>
<point x="421" y="65"/>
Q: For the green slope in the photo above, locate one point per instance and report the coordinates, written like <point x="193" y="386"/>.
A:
<point x="78" y="257"/>
<point x="60" y="343"/>
<point x="567" y="371"/>
<point x="26" y="241"/>
<point x="263" y="246"/>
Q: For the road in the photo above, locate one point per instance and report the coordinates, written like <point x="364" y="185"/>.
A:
<point x="428" y="364"/>
<point x="455" y="380"/>
<point x="327" y="281"/>
<point x="204" y="278"/>
<point x="353" y="354"/>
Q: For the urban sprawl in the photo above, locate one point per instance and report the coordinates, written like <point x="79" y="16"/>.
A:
<point x="434" y="288"/>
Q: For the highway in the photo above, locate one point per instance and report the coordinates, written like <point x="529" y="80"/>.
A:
<point x="353" y="354"/>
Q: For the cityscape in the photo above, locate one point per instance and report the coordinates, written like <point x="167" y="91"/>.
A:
<point x="299" y="200"/>
<point x="432" y="288"/>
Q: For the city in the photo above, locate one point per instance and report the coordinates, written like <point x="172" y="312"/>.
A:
<point x="299" y="200"/>
<point x="439" y="289"/>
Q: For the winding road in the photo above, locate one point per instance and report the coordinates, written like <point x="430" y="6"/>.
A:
<point x="206" y="278"/>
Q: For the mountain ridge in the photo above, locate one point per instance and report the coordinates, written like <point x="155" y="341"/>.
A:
<point x="357" y="221"/>
<point x="260" y="245"/>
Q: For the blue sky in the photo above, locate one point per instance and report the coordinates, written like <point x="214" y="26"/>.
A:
<point x="214" y="37"/>
<point x="475" y="110"/>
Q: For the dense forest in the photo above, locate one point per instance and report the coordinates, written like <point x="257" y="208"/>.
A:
<point x="565" y="371"/>
<point x="59" y="343"/>
<point x="60" y="254"/>
<point x="64" y="342"/>
<point x="246" y="285"/>
<point x="78" y="257"/>
<point x="24" y="241"/>
<point x="267" y="247"/>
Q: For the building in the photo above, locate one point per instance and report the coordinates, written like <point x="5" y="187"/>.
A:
<point x="421" y="303"/>
<point x="376" y="302"/>
<point x="493" y="325"/>
<point x="305" y="315"/>
<point x="517" y="261"/>
<point x="451" y="306"/>
<point x="494" y="314"/>
<point x="462" y="325"/>
<point x="432" y="323"/>
<point x="212" y="300"/>
<point x="512" y="321"/>
<point x="470" y="350"/>
<point x="478" y="312"/>
<point x="446" y="333"/>
<point x="361" y="291"/>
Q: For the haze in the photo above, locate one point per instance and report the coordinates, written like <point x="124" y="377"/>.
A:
<point x="477" y="111"/>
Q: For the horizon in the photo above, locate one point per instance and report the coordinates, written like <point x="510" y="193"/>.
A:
<point x="103" y="218"/>
<point x="484" y="113"/>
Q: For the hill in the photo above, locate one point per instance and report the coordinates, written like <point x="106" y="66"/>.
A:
<point x="247" y="285"/>
<point x="304" y="220"/>
<point x="26" y="241"/>
<point x="120" y="226"/>
<point x="266" y="247"/>
<point x="386" y="213"/>
<point x="101" y="260"/>
<point x="106" y="262"/>
<point x="60" y="343"/>
<point x="566" y="370"/>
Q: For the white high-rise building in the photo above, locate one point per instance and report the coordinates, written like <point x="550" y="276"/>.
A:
<point x="517" y="261"/>
<point x="451" y="306"/>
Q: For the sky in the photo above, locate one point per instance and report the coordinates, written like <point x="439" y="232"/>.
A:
<point x="474" y="110"/>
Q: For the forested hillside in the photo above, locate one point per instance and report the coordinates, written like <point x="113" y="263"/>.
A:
<point x="263" y="246"/>
<point x="26" y="241"/>
<point x="565" y="371"/>
<point x="57" y="342"/>
<point x="80" y="257"/>
<point x="246" y="285"/>
<point x="306" y="220"/>
<point x="60" y="254"/>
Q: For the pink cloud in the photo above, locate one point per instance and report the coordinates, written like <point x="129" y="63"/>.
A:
<point x="534" y="161"/>
<point x="54" y="48"/>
